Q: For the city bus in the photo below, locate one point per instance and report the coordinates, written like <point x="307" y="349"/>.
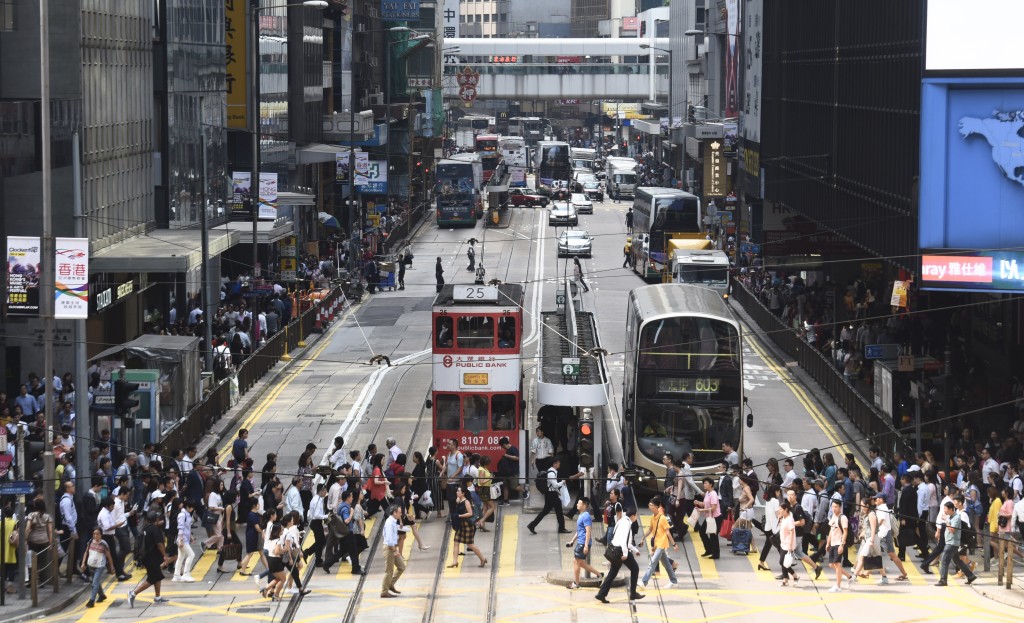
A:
<point x="487" y="147"/>
<point x="660" y="215"/>
<point x="551" y="161"/>
<point x="469" y="127"/>
<point x="682" y="389"/>
<point x="457" y="191"/>
<point x="531" y="129"/>
<point x="477" y="386"/>
<point x="515" y="155"/>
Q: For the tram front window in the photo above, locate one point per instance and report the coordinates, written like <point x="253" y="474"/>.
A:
<point x="503" y="411"/>
<point x="476" y="332"/>
<point x="689" y="344"/>
<point x="443" y="333"/>
<point x="447" y="410"/>
<point x="679" y="429"/>
<point x="474" y="413"/>
<point x="507" y="332"/>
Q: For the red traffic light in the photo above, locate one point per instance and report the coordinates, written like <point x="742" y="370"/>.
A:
<point x="586" y="429"/>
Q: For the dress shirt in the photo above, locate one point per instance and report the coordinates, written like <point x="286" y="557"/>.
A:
<point x="810" y="504"/>
<point x="120" y="520"/>
<point x="788" y="480"/>
<point x="185" y="527"/>
<point x="68" y="512"/>
<point x="339" y="458"/>
<point x="316" y="509"/>
<point x="990" y="466"/>
<point x="889" y="489"/>
<point x="690" y="488"/>
<point x="292" y="500"/>
<point x="771" y="520"/>
<point x="391" y="532"/>
<point x="623" y="533"/>
<point x="922" y="499"/>
<point x="105" y="520"/>
<point x="553" y="483"/>
<point x="334" y="495"/>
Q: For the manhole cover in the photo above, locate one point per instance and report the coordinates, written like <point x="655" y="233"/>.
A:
<point x="320" y="415"/>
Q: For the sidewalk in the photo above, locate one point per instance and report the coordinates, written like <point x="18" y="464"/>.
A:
<point x="16" y="610"/>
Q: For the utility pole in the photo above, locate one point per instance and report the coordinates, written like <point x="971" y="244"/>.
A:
<point x="254" y="114"/>
<point x="46" y="291"/>
<point x="83" y="419"/>
<point x="204" y="275"/>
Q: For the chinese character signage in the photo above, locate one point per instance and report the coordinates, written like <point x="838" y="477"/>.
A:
<point x="974" y="271"/>
<point x="268" y="196"/>
<point x="716" y="181"/>
<point x="450" y="19"/>
<point x="399" y="10"/>
<point x="504" y="60"/>
<point x="420" y="83"/>
<point x="71" y="298"/>
<point x="235" y="34"/>
<point x="23" y="273"/>
<point x="375" y="179"/>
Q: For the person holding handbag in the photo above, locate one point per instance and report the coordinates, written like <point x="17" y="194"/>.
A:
<point x="466" y="528"/>
<point x="232" y="547"/>
<point x="787" y="543"/>
<point x="710" y="511"/>
<point x="620" y="554"/>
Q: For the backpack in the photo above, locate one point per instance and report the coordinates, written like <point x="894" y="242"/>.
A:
<point x="542" y="480"/>
<point x="220" y="362"/>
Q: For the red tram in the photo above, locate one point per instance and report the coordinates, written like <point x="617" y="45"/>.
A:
<point x="477" y="391"/>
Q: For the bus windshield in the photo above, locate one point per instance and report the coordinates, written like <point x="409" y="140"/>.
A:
<point x="704" y="274"/>
<point x="689" y="343"/>
<point x="664" y="426"/>
<point x="676" y="215"/>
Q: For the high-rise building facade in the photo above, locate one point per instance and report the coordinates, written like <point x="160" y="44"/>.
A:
<point x="586" y="15"/>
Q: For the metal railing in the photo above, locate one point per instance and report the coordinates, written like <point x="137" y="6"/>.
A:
<point x="201" y="418"/>
<point x="874" y="424"/>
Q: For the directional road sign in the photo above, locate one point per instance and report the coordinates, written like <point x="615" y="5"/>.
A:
<point x="881" y="351"/>
<point x="17" y="487"/>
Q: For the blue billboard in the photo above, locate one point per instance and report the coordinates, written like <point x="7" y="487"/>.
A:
<point x="972" y="163"/>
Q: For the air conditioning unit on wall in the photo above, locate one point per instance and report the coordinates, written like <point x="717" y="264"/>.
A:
<point x="375" y="99"/>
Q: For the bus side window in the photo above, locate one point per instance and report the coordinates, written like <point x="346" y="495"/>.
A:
<point x="447" y="410"/>
<point x="507" y="332"/>
<point x="476" y="332"/>
<point x="474" y="409"/>
<point x="443" y="332"/>
<point x="503" y="412"/>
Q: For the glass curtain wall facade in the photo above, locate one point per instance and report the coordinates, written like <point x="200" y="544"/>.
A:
<point x="273" y="75"/>
<point x="196" y="110"/>
<point x="118" y="133"/>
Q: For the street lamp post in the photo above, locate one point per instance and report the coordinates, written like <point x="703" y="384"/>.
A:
<point x="254" y="88"/>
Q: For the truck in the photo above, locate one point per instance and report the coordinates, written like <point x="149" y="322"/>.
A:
<point x="701" y="267"/>
<point x="621" y="178"/>
<point x="582" y="158"/>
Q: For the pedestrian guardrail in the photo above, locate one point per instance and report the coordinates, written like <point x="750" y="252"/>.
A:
<point x="874" y="424"/>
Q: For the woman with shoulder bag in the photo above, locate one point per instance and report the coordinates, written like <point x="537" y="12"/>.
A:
<point x="232" y="547"/>
<point x="214" y="515"/>
<point x="466" y="529"/>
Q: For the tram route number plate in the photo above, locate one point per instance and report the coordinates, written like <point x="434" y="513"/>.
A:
<point x="474" y="294"/>
<point x="570" y="366"/>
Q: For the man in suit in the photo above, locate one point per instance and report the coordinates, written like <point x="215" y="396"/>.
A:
<point x="194" y="487"/>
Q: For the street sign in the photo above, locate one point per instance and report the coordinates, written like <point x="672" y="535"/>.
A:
<point x="17" y="487"/>
<point x="468" y="81"/>
<point x="570" y="366"/>
<point x="749" y="247"/>
<point x="905" y="363"/>
<point x="881" y="351"/>
<point x="559" y="299"/>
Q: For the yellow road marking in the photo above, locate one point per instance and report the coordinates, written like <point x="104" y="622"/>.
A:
<point x="345" y="571"/>
<point x="203" y="564"/>
<point x="800" y="395"/>
<point x="754" y="560"/>
<point x="509" y="546"/>
<point x="707" y="566"/>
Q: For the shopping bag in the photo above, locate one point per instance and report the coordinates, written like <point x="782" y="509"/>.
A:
<point x="712" y="526"/>
<point x="563" y="495"/>
<point x="726" y="531"/>
<point x="694" y="518"/>
<point x="787" y="560"/>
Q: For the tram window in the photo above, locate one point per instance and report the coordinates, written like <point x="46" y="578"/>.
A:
<point x="475" y="332"/>
<point x="447" y="406"/>
<point x="689" y="344"/>
<point x="507" y="332"/>
<point x="443" y="331"/>
<point x="503" y="412"/>
<point x="474" y="413"/>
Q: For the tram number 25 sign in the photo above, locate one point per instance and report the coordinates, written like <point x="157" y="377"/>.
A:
<point x="468" y="81"/>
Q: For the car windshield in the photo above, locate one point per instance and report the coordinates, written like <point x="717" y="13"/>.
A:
<point x="575" y="235"/>
<point x="590" y="184"/>
<point x="580" y="198"/>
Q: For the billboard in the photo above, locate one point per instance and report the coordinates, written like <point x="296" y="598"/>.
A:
<point x="374" y="179"/>
<point x="973" y="271"/>
<point x="241" y="195"/>
<point x="71" y="298"/>
<point x="399" y="10"/>
<point x="23" y="273"/>
<point x="450" y="19"/>
<point x="992" y="28"/>
<point x="268" y="196"/>
<point x="732" y="55"/>
<point x="972" y="154"/>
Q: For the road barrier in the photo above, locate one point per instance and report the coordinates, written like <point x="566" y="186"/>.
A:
<point x="874" y="424"/>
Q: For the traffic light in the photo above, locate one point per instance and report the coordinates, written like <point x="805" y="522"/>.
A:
<point x="124" y="402"/>
<point x="585" y="444"/>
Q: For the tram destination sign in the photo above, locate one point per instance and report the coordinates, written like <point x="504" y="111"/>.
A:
<point x="473" y="294"/>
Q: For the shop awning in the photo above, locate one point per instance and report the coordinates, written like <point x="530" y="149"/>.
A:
<point x="318" y="152"/>
<point x="161" y="251"/>
<point x="267" y="232"/>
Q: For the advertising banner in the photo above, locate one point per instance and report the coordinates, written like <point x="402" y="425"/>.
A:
<point x="268" y="196"/>
<point x="72" y="286"/>
<point x="241" y="195"/>
<point x="732" y="55"/>
<point x="375" y="179"/>
<point x="399" y="10"/>
<point x="974" y="271"/>
<point x="341" y="163"/>
<point x="450" y="19"/>
<point x="23" y="273"/>
<point x="995" y="40"/>
<point x="235" y="37"/>
<point x="716" y="182"/>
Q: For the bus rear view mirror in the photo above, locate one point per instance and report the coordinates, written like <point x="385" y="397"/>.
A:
<point x="429" y="403"/>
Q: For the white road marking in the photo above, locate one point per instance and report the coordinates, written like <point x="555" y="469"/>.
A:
<point x="789" y="452"/>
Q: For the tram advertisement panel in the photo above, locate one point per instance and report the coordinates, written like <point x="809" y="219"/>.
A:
<point x="467" y="373"/>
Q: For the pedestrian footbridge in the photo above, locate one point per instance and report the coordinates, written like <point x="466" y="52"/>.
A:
<point x="539" y="69"/>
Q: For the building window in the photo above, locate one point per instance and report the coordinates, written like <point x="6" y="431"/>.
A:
<point x="487" y="17"/>
<point x="503" y="17"/>
<point x="6" y="14"/>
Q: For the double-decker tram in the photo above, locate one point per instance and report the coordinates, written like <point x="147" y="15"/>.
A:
<point x="476" y="338"/>
<point x="683" y="385"/>
<point x="487" y="147"/>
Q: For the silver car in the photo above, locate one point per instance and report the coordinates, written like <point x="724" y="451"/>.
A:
<point x="575" y="242"/>
<point x="582" y="204"/>
<point x="562" y="213"/>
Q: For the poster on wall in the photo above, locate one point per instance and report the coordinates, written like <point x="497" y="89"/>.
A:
<point x="72" y="286"/>
<point x="241" y="195"/>
<point x="23" y="273"/>
<point x="341" y="163"/>
<point x="268" y="196"/>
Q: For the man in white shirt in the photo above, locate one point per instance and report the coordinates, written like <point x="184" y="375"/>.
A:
<point x="789" y="476"/>
<point x="393" y="452"/>
<point x="622" y="537"/>
<point x="731" y="457"/>
<point x="552" y="501"/>
<point x="186" y="462"/>
<point x="1013" y="480"/>
<point x="940" y="534"/>
<point x="340" y="456"/>
<point x="334" y="493"/>
<point x="989" y="466"/>
<point x="885" y="538"/>
<point x="540" y="449"/>
<point x="292" y="498"/>
<point x="922" y="514"/>
<point x="394" y="564"/>
<point x="875" y="454"/>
